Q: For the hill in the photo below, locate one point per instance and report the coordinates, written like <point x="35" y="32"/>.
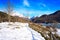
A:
<point x="51" y="18"/>
<point x="4" y="18"/>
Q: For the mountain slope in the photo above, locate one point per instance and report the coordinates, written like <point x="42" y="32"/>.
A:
<point x="51" y="18"/>
<point x="4" y="18"/>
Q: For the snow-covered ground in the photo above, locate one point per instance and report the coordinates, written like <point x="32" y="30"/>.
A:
<point x="58" y="32"/>
<point x="18" y="31"/>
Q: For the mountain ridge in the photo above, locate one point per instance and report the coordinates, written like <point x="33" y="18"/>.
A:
<point x="51" y="18"/>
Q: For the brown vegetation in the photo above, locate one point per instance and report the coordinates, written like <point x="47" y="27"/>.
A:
<point x="4" y="18"/>
<point x="46" y="32"/>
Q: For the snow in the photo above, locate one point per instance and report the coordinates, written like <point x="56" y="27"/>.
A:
<point x="17" y="14"/>
<point x="18" y="31"/>
<point x="58" y="32"/>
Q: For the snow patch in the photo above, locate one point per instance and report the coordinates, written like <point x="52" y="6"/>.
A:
<point x="17" y="14"/>
<point x="23" y="32"/>
<point x="58" y="32"/>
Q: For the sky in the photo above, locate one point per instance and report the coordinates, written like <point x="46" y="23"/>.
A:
<point x="31" y="7"/>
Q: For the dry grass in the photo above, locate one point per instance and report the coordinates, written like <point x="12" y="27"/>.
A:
<point x="43" y="31"/>
<point x="37" y="27"/>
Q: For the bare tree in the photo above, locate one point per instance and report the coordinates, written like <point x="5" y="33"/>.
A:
<point x="9" y="10"/>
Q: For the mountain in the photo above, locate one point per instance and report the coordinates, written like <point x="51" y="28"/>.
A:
<point x="17" y="14"/>
<point x="51" y="18"/>
<point x="19" y="30"/>
<point x="14" y="18"/>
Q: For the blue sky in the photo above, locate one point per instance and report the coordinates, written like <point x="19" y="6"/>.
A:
<point x="32" y="7"/>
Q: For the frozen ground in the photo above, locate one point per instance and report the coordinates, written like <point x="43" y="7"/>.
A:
<point x="18" y="31"/>
<point x="58" y="32"/>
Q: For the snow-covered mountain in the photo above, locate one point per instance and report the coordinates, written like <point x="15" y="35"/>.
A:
<point x="17" y="14"/>
<point x="18" y="31"/>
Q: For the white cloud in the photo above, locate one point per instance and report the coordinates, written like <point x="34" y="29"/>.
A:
<point x="44" y="5"/>
<point x="26" y="3"/>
